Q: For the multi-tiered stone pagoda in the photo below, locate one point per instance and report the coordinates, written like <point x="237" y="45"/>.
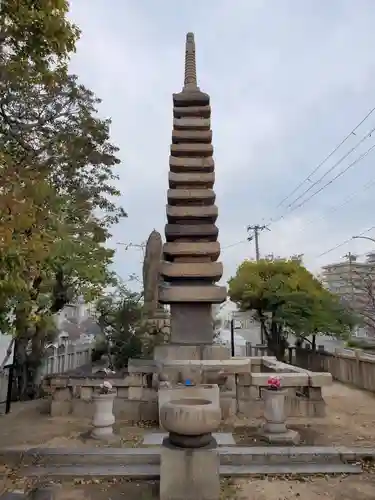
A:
<point x="190" y="268"/>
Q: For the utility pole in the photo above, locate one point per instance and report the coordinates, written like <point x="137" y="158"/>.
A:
<point x="255" y="236"/>
<point x="256" y="229"/>
<point x="351" y="257"/>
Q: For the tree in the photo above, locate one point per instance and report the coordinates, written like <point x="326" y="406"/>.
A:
<point x="287" y="299"/>
<point x="120" y="319"/>
<point x="57" y="194"/>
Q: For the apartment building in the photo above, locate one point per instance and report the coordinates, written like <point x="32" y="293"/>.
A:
<point x="354" y="281"/>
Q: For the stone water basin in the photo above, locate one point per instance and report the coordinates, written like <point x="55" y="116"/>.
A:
<point x="190" y="421"/>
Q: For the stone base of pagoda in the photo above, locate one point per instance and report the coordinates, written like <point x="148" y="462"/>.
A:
<point x="177" y="294"/>
<point x="178" y="352"/>
<point x="191" y="323"/>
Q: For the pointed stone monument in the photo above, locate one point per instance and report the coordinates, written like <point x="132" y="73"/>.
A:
<point x="189" y="268"/>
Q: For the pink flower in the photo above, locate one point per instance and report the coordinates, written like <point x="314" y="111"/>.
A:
<point x="274" y="383"/>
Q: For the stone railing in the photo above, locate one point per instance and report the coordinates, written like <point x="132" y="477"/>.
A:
<point x="354" y="367"/>
<point x="240" y="381"/>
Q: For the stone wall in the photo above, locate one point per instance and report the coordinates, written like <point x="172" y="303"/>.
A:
<point x="241" y="382"/>
<point x="135" y="398"/>
<point x="350" y="367"/>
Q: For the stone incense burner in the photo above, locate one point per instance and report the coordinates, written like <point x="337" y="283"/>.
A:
<point x="190" y="421"/>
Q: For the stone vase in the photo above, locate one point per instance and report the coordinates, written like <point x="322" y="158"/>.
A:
<point x="274" y="411"/>
<point x="103" y="419"/>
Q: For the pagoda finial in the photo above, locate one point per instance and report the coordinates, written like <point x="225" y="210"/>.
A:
<point x="190" y="82"/>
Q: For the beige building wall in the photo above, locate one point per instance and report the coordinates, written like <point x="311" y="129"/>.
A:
<point x="354" y="282"/>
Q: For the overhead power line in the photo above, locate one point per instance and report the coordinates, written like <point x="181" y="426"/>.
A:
<point x="341" y="173"/>
<point x="345" y="242"/>
<point x="318" y="167"/>
<point x="318" y="181"/>
<point x="335" y="208"/>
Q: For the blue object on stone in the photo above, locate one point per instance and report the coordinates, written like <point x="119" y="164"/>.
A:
<point x="188" y="382"/>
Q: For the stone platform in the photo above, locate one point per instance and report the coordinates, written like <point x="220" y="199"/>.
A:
<point x="144" y="463"/>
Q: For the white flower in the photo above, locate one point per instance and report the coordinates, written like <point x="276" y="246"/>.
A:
<point x="107" y="371"/>
<point x="105" y="387"/>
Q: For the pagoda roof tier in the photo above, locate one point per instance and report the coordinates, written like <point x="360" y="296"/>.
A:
<point x="178" y="249"/>
<point x="177" y="179"/>
<point x="188" y="123"/>
<point x="207" y="232"/>
<point x="206" y="196"/>
<point x="196" y="270"/>
<point x="192" y="149"/>
<point x="190" y="212"/>
<point x="191" y="135"/>
<point x="191" y="98"/>
<point x="183" y="164"/>
<point x="194" y="111"/>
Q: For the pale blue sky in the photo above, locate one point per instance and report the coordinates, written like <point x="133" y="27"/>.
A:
<point x="288" y="80"/>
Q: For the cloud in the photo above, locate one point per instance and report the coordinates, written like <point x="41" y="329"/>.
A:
<point x="288" y="80"/>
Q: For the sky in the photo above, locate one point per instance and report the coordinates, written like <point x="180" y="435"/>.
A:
<point x="288" y="81"/>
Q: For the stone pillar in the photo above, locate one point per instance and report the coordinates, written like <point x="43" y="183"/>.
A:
<point x="190" y="269"/>
<point x="189" y="460"/>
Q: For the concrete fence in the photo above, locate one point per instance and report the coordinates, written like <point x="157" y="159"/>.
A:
<point x="350" y="366"/>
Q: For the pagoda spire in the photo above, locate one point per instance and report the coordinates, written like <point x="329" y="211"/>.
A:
<point x="190" y="81"/>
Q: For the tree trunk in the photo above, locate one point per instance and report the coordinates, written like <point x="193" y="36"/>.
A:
<point x="20" y="368"/>
<point x="313" y="343"/>
<point x="276" y="341"/>
<point x="28" y="360"/>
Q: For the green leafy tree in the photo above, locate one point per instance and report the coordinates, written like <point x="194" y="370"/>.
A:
<point x="287" y="299"/>
<point x="57" y="194"/>
<point x="120" y="320"/>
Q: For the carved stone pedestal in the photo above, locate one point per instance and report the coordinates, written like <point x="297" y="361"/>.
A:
<point x="274" y="430"/>
<point x="190" y="464"/>
<point x="103" y="419"/>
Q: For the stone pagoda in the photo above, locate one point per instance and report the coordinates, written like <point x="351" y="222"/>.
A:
<point x="189" y="268"/>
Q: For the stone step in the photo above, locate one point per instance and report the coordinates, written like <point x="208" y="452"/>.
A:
<point x="274" y="455"/>
<point x="95" y="456"/>
<point x="55" y="472"/>
<point x="293" y="468"/>
<point x="36" y="494"/>
<point x="153" y="471"/>
<point x="229" y="455"/>
<point x="12" y="495"/>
